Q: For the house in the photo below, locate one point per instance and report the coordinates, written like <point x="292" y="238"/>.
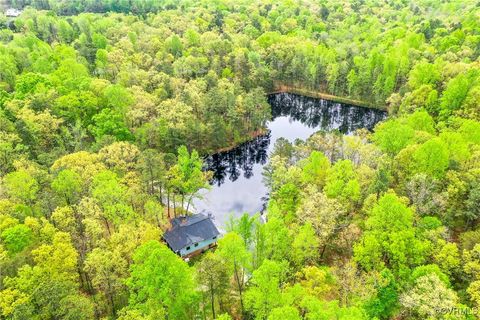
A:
<point x="11" y="12"/>
<point x="190" y="235"/>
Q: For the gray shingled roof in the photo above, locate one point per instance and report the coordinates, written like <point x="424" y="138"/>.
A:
<point x="190" y="230"/>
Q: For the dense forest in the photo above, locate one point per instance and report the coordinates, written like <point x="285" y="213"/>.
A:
<point x="107" y="107"/>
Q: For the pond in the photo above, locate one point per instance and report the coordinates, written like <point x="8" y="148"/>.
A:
<point x="237" y="186"/>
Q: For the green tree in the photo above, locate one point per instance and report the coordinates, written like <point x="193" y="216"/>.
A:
<point x="232" y="249"/>
<point x="326" y="216"/>
<point x="161" y="285"/>
<point x="187" y="176"/>
<point x="108" y="271"/>
<point x="420" y="120"/>
<point x="153" y="172"/>
<point x="305" y="246"/>
<point x="16" y="238"/>
<point x="315" y="169"/>
<point x="263" y="294"/>
<point x="384" y="303"/>
<point x="469" y="129"/>
<point x="428" y="297"/>
<point x="390" y="238"/>
<point x="286" y="313"/>
<point x="423" y="73"/>
<point x="47" y="290"/>
<point x="456" y="92"/>
<point x="342" y="183"/>
<point x="109" y="122"/>
<point x="21" y="186"/>
<point x="431" y="158"/>
<point x="392" y="136"/>
<point x="110" y="194"/>
<point x="68" y="185"/>
<point x="213" y="279"/>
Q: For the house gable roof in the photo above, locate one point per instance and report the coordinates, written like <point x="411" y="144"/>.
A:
<point x="189" y="230"/>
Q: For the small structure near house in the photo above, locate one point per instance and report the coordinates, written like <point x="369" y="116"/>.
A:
<point x="12" y="12"/>
<point x="190" y="235"/>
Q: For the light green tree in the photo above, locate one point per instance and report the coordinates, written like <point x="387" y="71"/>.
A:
<point x="161" y="284"/>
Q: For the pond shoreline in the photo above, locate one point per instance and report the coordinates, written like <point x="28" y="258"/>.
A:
<point x="252" y="135"/>
<point x="282" y="88"/>
<point x="237" y="183"/>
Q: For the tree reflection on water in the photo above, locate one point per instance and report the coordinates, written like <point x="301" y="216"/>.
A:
<point x="314" y="113"/>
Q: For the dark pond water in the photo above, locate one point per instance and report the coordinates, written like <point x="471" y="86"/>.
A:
<point x="237" y="185"/>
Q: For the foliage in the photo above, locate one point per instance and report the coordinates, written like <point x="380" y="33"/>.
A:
<point x="108" y="107"/>
<point x="160" y="283"/>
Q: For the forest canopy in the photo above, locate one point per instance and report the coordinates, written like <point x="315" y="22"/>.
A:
<point x="108" y="106"/>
